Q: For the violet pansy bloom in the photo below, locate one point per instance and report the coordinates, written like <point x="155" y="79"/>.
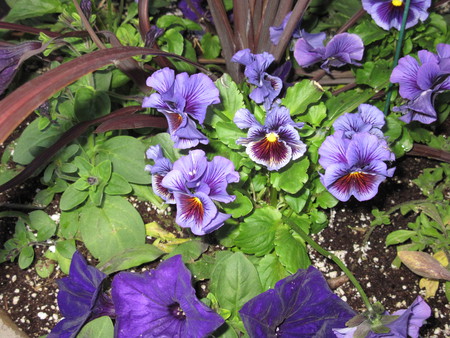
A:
<point x="354" y="166"/>
<point x="389" y="13"/>
<point x="342" y="49"/>
<point x="193" y="10"/>
<point x="368" y="119"/>
<point x="80" y="298"/>
<point x="159" y="170"/>
<point x="273" y="144"/>
<point x="196" y="184"/>
<point x="301" y="305"/>
<point x="11" y="57"/>
<point x="419" y="82"/>
<point x="182" y="99"/>
<point x="161" y="303"/>
<point x="443" y="52"/>
<point x="407" y="324"/>
<point x="268" y="87"/>
<point x="276" y="31"/>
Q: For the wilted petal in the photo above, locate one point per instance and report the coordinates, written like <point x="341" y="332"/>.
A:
<point x="424" y="265"/>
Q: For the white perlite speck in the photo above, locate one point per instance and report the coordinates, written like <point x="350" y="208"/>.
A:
<point x="15" y="300"/>
<point x="42" y="315"/>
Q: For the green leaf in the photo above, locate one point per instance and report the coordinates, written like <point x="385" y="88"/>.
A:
<point x="127" y="155"/>
<point x="345" y="103"/>
<point x="229" y="133"/>
<point x="44" y="268"/>
<point x="26" y="257"/>
<point x="374" y="74"/>
<point x="102" y="171"/>
<point x="301" y="95"/>
<point x="128" y="35"/>
<point x="393" y="128"/>
<point x="399" y="236"/>
<point x="316" y="114"/>
<point x="100" y="328"/>
<point x="130" y="258"/>
<point x="173" y="41"/>
<point x="24" y="9"/>
<point x="241" y="206"/>
<point x="190" y="251"/>
<point x="167" y="21"/>
<point x="257" y="232"/>
<point x="234" y="281"/>
<point x="166" y="143"/>
<point x="211" y="46"/>
<point x="298" y="201"/>
<point x="114" y="227"/>
<point x="90" y="104"/>
<point x="45" y="226"/>
<point x="283" y="179"/>
<point x="270" y="271"/>
<point x="69" y="223"/>
<point x="117" y="185"/>
<point x="290" y="251"/>
<point x="72" y="198"/>
<point x="369" y="32"/>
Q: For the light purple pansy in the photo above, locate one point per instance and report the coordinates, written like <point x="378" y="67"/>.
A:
<point x="196" y="184"/>
<point x="80" y="298"/>
<point x="268" y="87"/>
<point x="407" y="324"/>
<point x="301" y="305"/>
<point x="182" y="99"/>
<point x="354" y="166"/>
<point x="276" y="31"/>
<point x="419" y="82"/>
<point x="389" y="13"/>
<point x="159" y="170"/>
<point x="161" y="303"/>
<point x="342" y="49"/>
<point x="273" y="144"/>
<point x="443" y="52"/>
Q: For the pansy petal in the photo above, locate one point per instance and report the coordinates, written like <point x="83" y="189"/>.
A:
<point x="306" y="55"/>
<point x="315" y="40"/>
<point x="333" y="150"/>
<point x="405" y="74"/>
<point x="175" y="181"/>
<point x="244" y="119"/>
<point x="427" y="75"/>
<point x="289" y="135"/>
<point x="194" y="211"/>
<point x="192" y="166"/>
<point x="160" y="190"/>
<point x="219" y="173"/>
<point x="346" y="47"/>
<point x="371" y="115"/>
<point x="279" y="116"/>
<point x="365" y="148"/>
<point x="162" y="80"/>
<point x="188" y="136"/>
<point x="337" y="181"/>
<point x="274" y="154"/>
<point x="244" y="57"/>
<point x="351" y="124"/>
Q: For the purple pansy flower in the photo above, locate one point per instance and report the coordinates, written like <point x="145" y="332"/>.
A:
<point x="443" y="52"/>
<point x="80" y="298"/>
<point x="161" y="303"/>
<point x="368" y="119"/>
<point x="11" y="57"/>
<point x="407" y="324"/>
<point x="277" y="31"/>
<point x="419" y="82"/>
<point x="276" y="142"/>
<point x="342" y="49"/>
<point x="389" y="13"/>
<point x="182" y="99"/>
<point x="267" y="86"/>
<point x="301" y="305"/>
<point x="159" y="170"/>
<point x="196" y="184"/>
<point x="354" y="166"/>
<point x="193" y="10"/>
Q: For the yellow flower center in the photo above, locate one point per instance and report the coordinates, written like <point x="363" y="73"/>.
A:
<point x="397" y="3"/>
<point x="271" y="137"/>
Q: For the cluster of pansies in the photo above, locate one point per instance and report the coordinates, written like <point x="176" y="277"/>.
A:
<point x="354" y="156"/>
<point x="421" y="81"/>
<point x="162" y="303"/>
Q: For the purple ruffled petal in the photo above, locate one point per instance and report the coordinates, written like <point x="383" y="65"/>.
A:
<point x="307" y="55"/>
<point x="405" y="74"/>
<point x="333" y="150"/>
<point x="245" y="120"/>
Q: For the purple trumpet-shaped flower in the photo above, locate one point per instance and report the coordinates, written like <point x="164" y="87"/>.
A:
<point x="267" y="86"/>
<point x="419" y="82"/>
<point x="354" y="166"/>
<point x="276" y="142"/>
<point x="301" y="305"/>
<point x="407" y="323"/>
<point x="80" y="298"/>
<point x="277" y="31"/>
<point x="195" y="184"/>
<point x="342" y="49"/>
<point x="11" y="57"/>
<point x="161" y="303"/>
<point x="389" y="13"/>
<point x="182" y="99"/>
<point x="368" y="119"/>
<point x="159" y="170"/>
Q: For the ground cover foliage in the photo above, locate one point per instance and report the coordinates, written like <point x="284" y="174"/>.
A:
<point x="247" y="121"/>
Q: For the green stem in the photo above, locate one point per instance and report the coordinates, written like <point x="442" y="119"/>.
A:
<point x="401" y="36"/>
<point x="334" y="258"/>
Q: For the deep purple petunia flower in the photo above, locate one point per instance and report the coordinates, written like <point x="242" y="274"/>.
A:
<point x="419" y="82"/>
<point x="301" y="305"/>
<point x="354" y="166"/>
<point x="161" y="303"/>
<point x="11" y="57"/>
<point x="159" y="170"/>
<point x="267" y="86"/>
<point x="276" y="31"/>
<point x="182" y="99"/>
<point x="407" y="324"/>
<point x="195" y="184"/>
<point x="368" y="119"/>
<point x="80" y="298"/>
<point x="342" y="49"/>
<point x="389" y="13"/>
<point x="274" y="144"/>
